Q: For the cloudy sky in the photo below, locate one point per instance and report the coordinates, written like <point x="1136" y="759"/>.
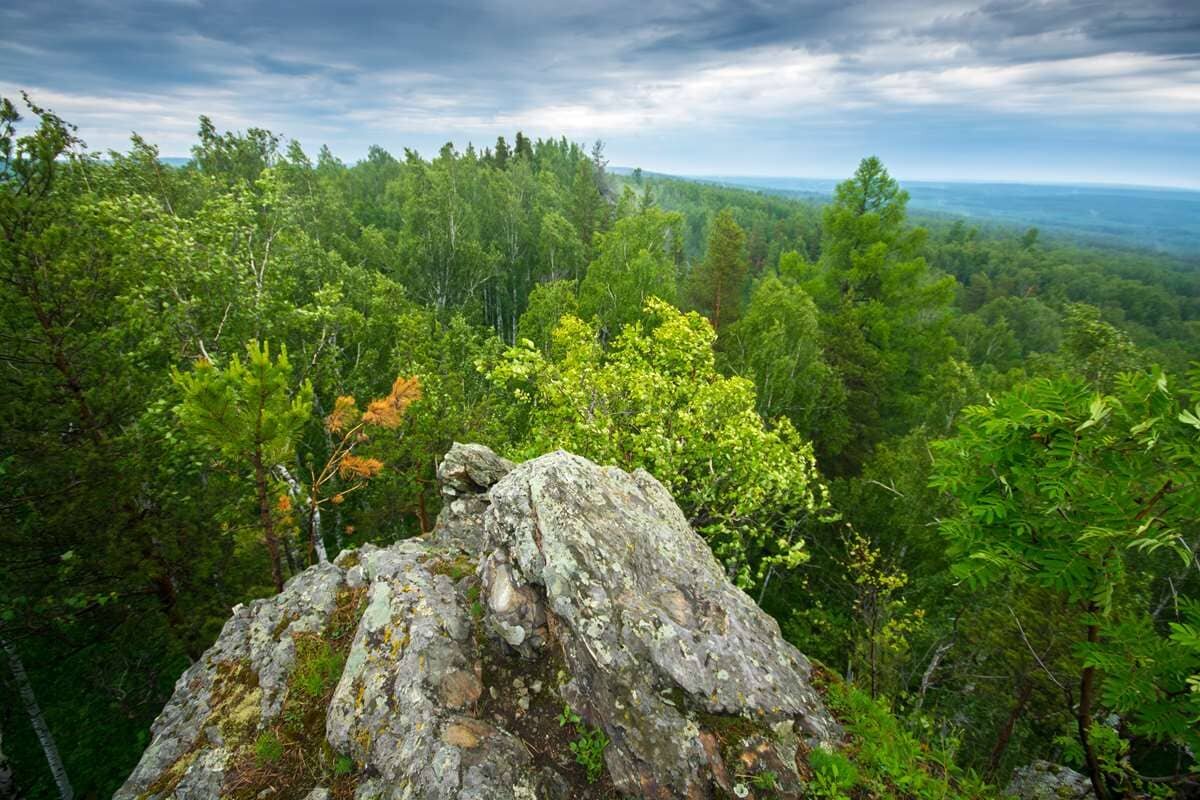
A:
<point x="1026" y="90"/>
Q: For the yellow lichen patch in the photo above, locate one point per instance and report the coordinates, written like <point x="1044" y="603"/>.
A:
<point x="171" y="776"/>
<point x="236" y="702"/>
<point x="238" y="717"/>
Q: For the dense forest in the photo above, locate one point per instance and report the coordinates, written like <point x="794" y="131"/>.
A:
<point x="961" y="468"/>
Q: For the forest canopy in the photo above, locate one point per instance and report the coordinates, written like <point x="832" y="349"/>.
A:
<point x="960" y="467"/>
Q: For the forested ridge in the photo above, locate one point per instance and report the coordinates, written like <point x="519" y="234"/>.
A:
<point x="961" y="468"/>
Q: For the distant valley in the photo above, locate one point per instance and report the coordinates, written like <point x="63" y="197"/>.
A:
<point x="1164" y="220"/>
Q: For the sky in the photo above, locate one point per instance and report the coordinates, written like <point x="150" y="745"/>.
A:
<point x="1018" y="90"/>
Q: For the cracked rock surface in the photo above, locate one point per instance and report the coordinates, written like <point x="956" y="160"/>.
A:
<point x="554" y="582"/>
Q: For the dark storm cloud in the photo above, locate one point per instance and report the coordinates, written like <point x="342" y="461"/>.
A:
<point x="352" y="72"/>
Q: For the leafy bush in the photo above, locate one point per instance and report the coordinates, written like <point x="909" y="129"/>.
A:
<point x="884" y="759"/>
<point x="833" y="774"/>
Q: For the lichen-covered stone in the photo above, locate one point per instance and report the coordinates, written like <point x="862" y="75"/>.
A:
<point x="466" y="474"/>
<point x="1043" y="780"/>
<point x="575" y="583"/>
<point x="653" y="634"/>
<point x="236" y="688"/>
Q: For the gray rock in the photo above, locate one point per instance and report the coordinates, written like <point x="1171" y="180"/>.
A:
<point x="234" y="690"/>
<point x="1043" y="780"/>
<point x="589" y="588"/>
<point x="466" y="474"/>
<point x="602" y="565"/>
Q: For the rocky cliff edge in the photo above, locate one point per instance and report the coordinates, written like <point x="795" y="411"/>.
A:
<point x="562" y="633"/>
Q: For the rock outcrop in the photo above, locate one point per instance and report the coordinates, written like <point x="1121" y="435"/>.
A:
<point x="1043" y="780"/>
<point x="562" y="633"/>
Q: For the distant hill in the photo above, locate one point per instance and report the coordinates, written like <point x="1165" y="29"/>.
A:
<point x="1166" y="220"/>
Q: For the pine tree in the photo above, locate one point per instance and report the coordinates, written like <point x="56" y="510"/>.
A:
<point x="717" y="283"/>
<point x="502" y="153"/>
<point x="245" y="413"/>
<point x="523" y="148"/>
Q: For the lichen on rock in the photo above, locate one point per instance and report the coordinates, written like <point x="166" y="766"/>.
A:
<point x="440" y="668"/>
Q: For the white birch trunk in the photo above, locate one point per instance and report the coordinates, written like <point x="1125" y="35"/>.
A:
<point x="40" y="728"/>
<point x="314" y="512"/>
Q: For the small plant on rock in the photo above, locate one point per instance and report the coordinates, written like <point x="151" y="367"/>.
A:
<point x="588" y="746"/>
<point x="342" y="765"/>
<point x="765" y="780"/>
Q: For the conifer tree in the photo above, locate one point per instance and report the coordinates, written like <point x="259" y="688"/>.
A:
<point x="523" y="148"/>
<point x="246" y="414"/>
<point x="502" y="153"/>
<point x="717" y="283"/>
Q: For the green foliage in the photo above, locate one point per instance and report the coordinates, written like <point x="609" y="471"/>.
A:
<point x="764" y="780"/>
<point x="716" y="284"/>
<point x="318" y="666"/>
<point x="883" y="759"/>
<point x="548" y="303"/>
<point x="777" y="345"/>
<point x="1075" y="491"/>
<point x="886" y="314"/>
<point x="653" y="399"/>
<point x="636" y="260"/>
<point x="588" y="746"/>
<point x="833" y="774"/>
<point x="1057" y="484"/>
<point x="245" y="411"/>
<point x="267" y="748"/>
<point x="343" y="765"/>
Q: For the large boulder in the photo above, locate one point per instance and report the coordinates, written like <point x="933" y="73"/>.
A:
<point x="663" y="651"/>
<point x="562" y="634"/>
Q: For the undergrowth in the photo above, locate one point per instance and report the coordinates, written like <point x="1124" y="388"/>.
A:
<point x="880" y="758"/>
<point x="292" y="756"/>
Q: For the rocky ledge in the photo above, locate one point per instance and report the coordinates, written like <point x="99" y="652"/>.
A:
<point x="562" y="633"/>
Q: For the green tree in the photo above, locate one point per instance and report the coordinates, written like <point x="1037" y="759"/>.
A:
<point x="777" y="344"/>
<point x="548" y="303"/>
<point x="560" y="249"/>
<point x="1066" y="490"/>
<point x="716" y="284"/>
<point x="654" y="399"/>
<point x="886" y="315"/>
<point x="246" y="413"/>
<point x="639" y="258"/>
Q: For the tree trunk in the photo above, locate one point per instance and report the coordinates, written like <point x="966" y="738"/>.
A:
<point x="315" y="540"/>
<point x="422" y="514"/>
<point x="1087" y="689"/>
<point x="316" y="544"/>
<point x="267" y="521"/>
<point x="1024" y="692"/>
<point x="40" y="728"/>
